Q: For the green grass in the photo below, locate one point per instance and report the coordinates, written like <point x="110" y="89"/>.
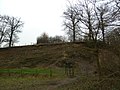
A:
<point x="28" y="81"/>
<point x="25" y="71"/>
<point x="48" y="72"/>
<point x="58" y="81"/>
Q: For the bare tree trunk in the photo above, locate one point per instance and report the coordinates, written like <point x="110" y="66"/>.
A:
<point x="102" y="27"/>
<point x="10" y="41"/>
<point x="98" y="63"/>
<point x="74" y="29"/>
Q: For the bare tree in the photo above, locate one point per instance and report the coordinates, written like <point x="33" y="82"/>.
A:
<point x="92" y="18"/>
<point x="80" y="19"/>
<point x="86" y="17"/>
<point x="14" y="26"/>
<point x="103" y="17"/>
<point x="3" y="30"/>
<point x="107" y="15"/>
<point x="71" y="22"/>
<point x="9" y="29"/>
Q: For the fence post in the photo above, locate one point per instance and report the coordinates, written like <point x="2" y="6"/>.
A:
<point x="9" y="72"/>
<point x="69" y="69"/>
<point x="51" y="73"/>
<point x="36" y="72"/>
<point x="21" y="73"/>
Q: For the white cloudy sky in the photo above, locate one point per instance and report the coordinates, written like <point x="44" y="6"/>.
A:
<point x="38" y="16"/>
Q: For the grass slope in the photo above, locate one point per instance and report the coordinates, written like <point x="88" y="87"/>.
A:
<point x="37" y="57"/>
<point x="43" y="56"/>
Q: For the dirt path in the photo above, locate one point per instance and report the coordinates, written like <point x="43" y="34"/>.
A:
<point x="62" y="83"/>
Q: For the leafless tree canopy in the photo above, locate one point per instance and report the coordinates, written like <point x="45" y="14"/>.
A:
<point x="9" y="29"/>
<point x="92" y="19"/>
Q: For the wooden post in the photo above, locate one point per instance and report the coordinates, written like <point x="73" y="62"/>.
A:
<point x="36" y="73"/>
<point x="9" y="73"/>
<point x="51" y="73"/>
<point x="21" y="73"/>
<point x="69" y="69"/>
<point x="98" y="64"/>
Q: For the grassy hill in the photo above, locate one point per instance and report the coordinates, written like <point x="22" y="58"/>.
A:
<point x="43" y="55"/>
<point x="54" y="56"/>
<point x="46" y="55"/>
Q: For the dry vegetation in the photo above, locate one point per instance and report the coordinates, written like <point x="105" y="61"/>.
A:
<point x="52" y="56"/>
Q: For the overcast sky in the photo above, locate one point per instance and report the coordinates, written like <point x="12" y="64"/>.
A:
<point x="38" y="16"/>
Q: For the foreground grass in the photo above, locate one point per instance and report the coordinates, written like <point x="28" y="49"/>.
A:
<point x="48" y="72"/>
<point x="30" y="78"/>
<point x="28" y="83"/>
<point x="76" y="83"/>
<point x="86" y="83"/>
<point x="25" y="71"/>
<point x="42" y="79"/>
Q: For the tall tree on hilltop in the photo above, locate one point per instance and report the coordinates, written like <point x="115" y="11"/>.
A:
<point x="71" y="22"/>
<point x="92" y="18"/>
<point x="87" y="18"/>
<point x="3" y="26"/>
<point x="13" y="28"/>
<point x="9" y="29"/>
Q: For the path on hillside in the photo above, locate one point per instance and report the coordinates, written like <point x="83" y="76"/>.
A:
<point x="62" y="83"/>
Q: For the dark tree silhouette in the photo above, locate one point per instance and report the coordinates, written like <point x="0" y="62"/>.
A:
<point x="3" y="27"/>
<point x="71" y="22"/>
<point x="13" y="27"/>
<point x="92" y="18"/>
<point x="43" y="38"/>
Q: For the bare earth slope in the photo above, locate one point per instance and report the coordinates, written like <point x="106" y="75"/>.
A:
<point x="42" y="55"/>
